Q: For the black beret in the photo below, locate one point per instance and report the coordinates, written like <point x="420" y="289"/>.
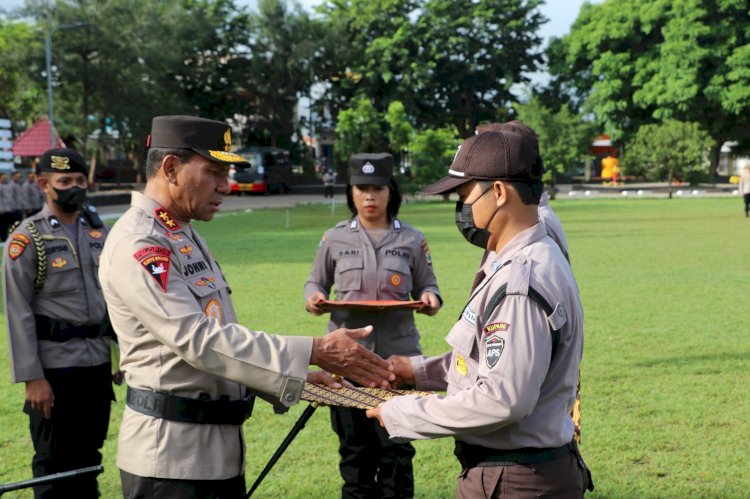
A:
<point x="62" y="160"/>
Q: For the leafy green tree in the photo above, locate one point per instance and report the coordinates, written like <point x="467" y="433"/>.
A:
<point x="667" y="150"/>
<point x="400" y="130"/>
<point x="431" y="152"/>
<point x="21" y="98"/>
<point x="564" y="137"/>
<point x="645" y="61"/>
<point x="359" y="129"/>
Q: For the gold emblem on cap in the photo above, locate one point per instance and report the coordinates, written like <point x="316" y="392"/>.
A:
<point x="227" y="156"/>
<point x="60" y="162"/>
<point x="228" y="140"/>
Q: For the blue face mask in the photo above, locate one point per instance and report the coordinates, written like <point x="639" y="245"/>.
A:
<point x="465" y="223"/>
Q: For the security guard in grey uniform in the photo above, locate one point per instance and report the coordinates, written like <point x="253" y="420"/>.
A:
<point x="57" y="326"/>
<point x="187" y="361"/>
<point x="516" y="348"/>
<point x="373" y="256"/>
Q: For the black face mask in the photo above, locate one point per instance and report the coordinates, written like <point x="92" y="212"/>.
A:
<point x="465" y="223"/>
<point x="70" y="200"/>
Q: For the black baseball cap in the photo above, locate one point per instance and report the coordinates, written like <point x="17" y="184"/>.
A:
<point x="370" y="169"/>
<point x="493" y="155"/>
<point x="62" y="160"/>
<point x="209" y="138"/>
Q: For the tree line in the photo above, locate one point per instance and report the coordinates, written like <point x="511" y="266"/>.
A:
<point x="410" y="76"/>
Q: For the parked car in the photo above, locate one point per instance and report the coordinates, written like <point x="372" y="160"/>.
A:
<point x="270" y="170"/>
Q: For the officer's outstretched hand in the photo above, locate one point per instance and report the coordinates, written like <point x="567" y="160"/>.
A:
<point x="375" y="413"/>
<point x="312" y="303"/>
<point x="339" y="353"/>
<point x="402" y="369"/>
<point x="40" y="396"/>
<point x="431" y="303"/>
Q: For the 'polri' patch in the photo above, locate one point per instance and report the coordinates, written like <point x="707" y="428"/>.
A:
<point x="494" y="346"/>
<point x="155" y="259"/>
<point x="497" y="327"/>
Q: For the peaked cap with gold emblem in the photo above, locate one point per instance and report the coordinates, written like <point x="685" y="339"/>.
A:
<point x="62" y="160"/>
<point x="209" y="138"/>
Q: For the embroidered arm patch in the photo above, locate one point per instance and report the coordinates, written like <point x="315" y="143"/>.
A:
<point x="155" y="259"/>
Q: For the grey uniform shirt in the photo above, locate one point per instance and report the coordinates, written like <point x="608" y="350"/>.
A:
<point x="553" y="225"/>
<point x="502" y="390"/>
<point x="170" y="306"/>
<point x="399" y="267"/>
<point x="32" y="196"/>
<point x="6" y="197"/>
<point x="71" y="293"/>
<point x="18" y="201"/>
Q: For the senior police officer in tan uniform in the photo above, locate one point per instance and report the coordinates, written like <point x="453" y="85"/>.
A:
<point x="187" y="362"/>
<point x="57" y="327"/>
<point x="374" y="256"/>
<point x="516" y="349"/>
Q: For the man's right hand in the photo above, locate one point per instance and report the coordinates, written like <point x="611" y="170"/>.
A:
<point x="40" y="396"/>
<point x="339" y="353"/>
<point x="402" y="369"/>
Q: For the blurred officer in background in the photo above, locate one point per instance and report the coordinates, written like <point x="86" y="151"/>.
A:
<point x="373" y="256"/>
<point x="6" y="206"/>
<point x="18" y="202"/>
<point x="58" y="327"/>
<point x="187" y="361"/>
<point x="32" y="195"/>
<point x="516" y="349"/>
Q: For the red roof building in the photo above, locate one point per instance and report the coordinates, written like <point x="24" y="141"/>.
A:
<point x="35" y="140"/>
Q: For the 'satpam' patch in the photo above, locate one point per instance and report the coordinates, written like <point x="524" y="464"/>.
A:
<point x="497" y="327"/>
<point x="493" y="346"/>
<point x="155" y="259"/>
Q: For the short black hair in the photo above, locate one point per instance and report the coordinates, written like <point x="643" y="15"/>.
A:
<point x="157" y="154"/>
<point x="530" y="192"/>
<point x="394" y="201"/>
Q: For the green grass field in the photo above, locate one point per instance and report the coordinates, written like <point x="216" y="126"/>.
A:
<point x="666" y="368"/>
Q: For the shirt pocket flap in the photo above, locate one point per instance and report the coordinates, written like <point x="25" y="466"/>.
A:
<point x="206" y="284"/>
<point x="349" y="263"/>
<point x="558" y="318"/>
<point x="461" y="338"/>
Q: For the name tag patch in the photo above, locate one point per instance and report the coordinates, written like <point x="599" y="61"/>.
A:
<point x="155" y="259"/>
<point x="494" y="346"/>
<point x="470" y="316"/>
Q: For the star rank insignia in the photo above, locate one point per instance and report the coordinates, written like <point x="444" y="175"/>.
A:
<point x="167" y="219"/>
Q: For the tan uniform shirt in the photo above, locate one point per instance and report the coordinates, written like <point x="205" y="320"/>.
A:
<point x="170" y="306"/>
<point x="745" y="183"/>
<point x="398" y="267"/>
<point x="71" y="293"/>
<point x="553" y="225"/>
<point x="502" y="390"/>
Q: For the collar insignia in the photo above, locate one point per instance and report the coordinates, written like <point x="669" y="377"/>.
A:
<point x="53" y="222"/>
<point x="167" y="219"/>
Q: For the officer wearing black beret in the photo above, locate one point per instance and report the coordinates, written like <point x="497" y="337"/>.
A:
<point x="187" y="361"/>
<point x="58" y="329"/>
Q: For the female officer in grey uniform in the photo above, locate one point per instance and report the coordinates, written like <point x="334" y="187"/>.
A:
<point x="373" y="256"/>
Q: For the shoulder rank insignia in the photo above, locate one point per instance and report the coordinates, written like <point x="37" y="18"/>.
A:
<point x="494" y="346"/>
<point x="166" y="218"/>
<point x="155" y="260"/>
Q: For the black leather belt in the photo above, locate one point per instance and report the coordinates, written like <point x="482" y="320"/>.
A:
<point x="190" y="410"/>
<point x="471" y="456"/>
<point x="51" y="329"/>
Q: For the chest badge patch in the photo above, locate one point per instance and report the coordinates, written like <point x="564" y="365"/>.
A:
<point x="213" y="309"/>
<point x="494" y="346"/>
<point x="59" y="262"/>
<point x="395" y="279"/>
<point x="497" y="327"/>
<point x="461" y="367"/>
<point x="173" y="237"/>
<point x="207" y="281"/>
<point x="186" y="250"/>
<point x="167" y="219"/>
<point x="155" y="259"/>
<point x="96" y="234"/>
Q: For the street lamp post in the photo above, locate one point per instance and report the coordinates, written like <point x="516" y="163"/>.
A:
<point x="48" y="53"/>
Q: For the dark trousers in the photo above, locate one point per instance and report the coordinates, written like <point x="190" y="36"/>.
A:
<point x="746" y="198"/>
<point x="72" y="437"/>
<point x="143" y="487"/>
<point x="564" y="478"/>
<point x="371" y="465"/>
<point x="328" y="191"/>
